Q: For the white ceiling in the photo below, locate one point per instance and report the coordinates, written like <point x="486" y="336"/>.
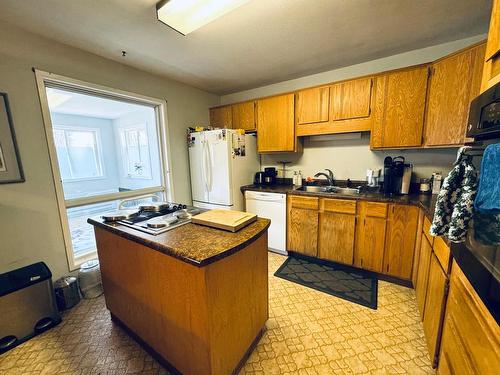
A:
<point x="262" y="42"/>
<point x="73" y="103"/>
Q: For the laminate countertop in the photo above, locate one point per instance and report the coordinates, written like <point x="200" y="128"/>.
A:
<point x="195" y="244"/>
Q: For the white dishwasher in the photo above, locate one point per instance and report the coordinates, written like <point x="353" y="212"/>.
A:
<point x="270" y="206"/>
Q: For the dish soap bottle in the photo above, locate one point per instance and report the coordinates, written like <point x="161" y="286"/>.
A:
<point x="299" y="179"/>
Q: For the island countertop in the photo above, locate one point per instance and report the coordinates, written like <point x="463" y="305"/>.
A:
<point x="195" y="244"/>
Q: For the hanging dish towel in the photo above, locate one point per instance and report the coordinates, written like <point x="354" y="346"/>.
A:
<point x="455" y="201"/>
<point x="488" y="193"/>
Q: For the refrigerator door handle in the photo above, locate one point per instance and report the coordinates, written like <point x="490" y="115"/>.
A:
<point x="209" y="168"/>
<point x="204" y="164"/>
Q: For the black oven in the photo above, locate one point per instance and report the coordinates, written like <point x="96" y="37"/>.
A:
<point x="484" y="115"/>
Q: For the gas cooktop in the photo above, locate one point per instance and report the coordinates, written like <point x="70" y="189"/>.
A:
<point x="154" y="218"/>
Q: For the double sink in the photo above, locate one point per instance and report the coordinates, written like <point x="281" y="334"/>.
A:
<point x="331" y="190"/>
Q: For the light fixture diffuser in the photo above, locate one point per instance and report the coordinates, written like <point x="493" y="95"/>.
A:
<point x="186" y="16"/>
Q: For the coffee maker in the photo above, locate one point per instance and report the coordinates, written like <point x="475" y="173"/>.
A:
<point x="397" y="176"/>
<point x="270" y="174"/>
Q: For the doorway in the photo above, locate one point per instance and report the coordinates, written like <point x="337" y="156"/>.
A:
<point x="108" y="150"/>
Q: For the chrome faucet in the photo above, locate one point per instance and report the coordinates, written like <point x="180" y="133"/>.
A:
<point x="329" y="176"/>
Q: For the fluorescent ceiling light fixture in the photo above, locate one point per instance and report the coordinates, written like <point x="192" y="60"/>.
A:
<point x="186" y="16"/>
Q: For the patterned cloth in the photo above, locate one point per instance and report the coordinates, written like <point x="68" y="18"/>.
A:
<point x="455" y="202"/>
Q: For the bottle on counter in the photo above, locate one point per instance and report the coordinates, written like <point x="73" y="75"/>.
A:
<point x="299" y="179"/>
<point x="295" y="178"/>
<point x="436" y="182"/>
<point x="425" y="185"/>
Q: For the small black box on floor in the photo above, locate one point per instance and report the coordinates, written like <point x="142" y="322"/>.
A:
<point x="27" y="304"/>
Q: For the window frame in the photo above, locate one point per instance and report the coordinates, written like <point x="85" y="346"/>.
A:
<point x="99" y="160"/>
<point x="124" y="148"/>
<point x="46" y="79"/>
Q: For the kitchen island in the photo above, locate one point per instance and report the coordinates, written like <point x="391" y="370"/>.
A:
<point x="195" y="296"/>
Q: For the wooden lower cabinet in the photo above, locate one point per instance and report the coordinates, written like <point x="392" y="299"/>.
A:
<point x="435" y="302"/>
<point x="423" y="273"/>
<point x="302" y="233"/>
<point x="337" y="224"/>
<point x="370" y="235"/>
<point x="400" y="240"/>
<point x="471" y="336"/>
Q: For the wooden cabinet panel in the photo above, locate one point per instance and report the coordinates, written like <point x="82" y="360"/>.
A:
<point x="418" y="245"/>
<point x="471" y="337"/>
<point x="376" y="209"/>
<point x="370" y="239"/>
<point x="275" y="124"/>
<point x="491" y="67"/>
<point x="400" y="240"/>
<point x="426" y="230"/>
<point x="221" y="117"/>
<point x="313" y="105"/>
<point x="443" y="253"/>
<point x="336" y="236"/>
<point x="454" y="82"/>
<point x="244" y="116"/>
<point x="302" y="232"/>
<point x="351" y="99"/>
<point x="399" y="108"/>
<point x="423" y="273"/>
<point x="338" y="205"/>
<point x="434" y="307"/>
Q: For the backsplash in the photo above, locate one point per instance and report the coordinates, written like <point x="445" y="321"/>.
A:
<point x="351" y="158"/>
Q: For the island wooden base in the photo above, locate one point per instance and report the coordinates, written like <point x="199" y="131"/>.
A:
<point x="199" y="320"/>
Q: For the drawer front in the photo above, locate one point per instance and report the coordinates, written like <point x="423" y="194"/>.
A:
<point x="425" y="229"/>
<point x="442" y="252"/>
<point x="376" y="209"/>
<point x="307" y="203"/>
<point x="343" y="206"/>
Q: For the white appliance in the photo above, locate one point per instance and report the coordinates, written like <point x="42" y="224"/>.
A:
<point x="271" y="206"/>
<point x="221" y="161"/>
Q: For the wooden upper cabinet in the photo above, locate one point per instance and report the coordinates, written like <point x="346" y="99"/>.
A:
<point x="302" y="222"/>
<point x="454" y="82"/>
<point x="337" y="222"/>
<point x="351" y="99"/>
<point x="275" y="124"/>
<point x="244" y="116"/>
<point x="313" y="105"/>
<point x="400" y="240"/>
<point x="399" y="108"/>
<point x="370" y="235"/>
<point x="434" y="307"/>
<point x="221" y="117"/>
<point x="471" y="337"/>
<point x="491" y="70"/>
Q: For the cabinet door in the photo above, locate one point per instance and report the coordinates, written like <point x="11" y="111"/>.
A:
<point x="470" y="342"/>
<point x="303" y="225"/>
<point x="491" y="68"/>
<point x="221" y="117"/>
<point x="312" y="105"/>
<point x="434" y="307"/>
<point x="400" y="240"/>
<point x="399" y="108"/>
<point x="337" y="222"/>
<point x="423" y="273"/>
<point x="244" y="116"/>
<point x="275" y="124"/>
<point x="370" y="236"/>
<point x="351" y="99"/>
<point x="454" y="82"/>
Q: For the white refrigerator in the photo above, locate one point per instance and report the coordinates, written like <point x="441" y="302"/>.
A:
<point x="221" y="161"/>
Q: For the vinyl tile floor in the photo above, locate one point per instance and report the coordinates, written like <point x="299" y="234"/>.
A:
<point x="308" y="332"/>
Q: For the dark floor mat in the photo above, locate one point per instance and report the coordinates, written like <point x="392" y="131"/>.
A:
<point x="339" y="280"/>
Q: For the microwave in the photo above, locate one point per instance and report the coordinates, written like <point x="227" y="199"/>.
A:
<point x="484" y="115"/>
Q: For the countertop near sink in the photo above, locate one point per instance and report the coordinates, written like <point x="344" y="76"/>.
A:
<point x="425" y="201"/>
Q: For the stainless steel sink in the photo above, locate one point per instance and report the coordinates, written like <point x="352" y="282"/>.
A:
<point x="330" y="189"/>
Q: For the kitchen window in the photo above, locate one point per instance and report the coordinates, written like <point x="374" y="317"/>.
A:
<point x="135" y="150"/>
<point x="78" y="152"/>
<point x="106" y="146"/>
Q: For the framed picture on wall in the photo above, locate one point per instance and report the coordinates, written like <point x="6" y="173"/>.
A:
<point x="10" y="162"/>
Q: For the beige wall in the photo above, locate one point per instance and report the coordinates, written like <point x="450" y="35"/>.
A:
<point x="29" y="222"/>
<point x="351" y="158"/>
